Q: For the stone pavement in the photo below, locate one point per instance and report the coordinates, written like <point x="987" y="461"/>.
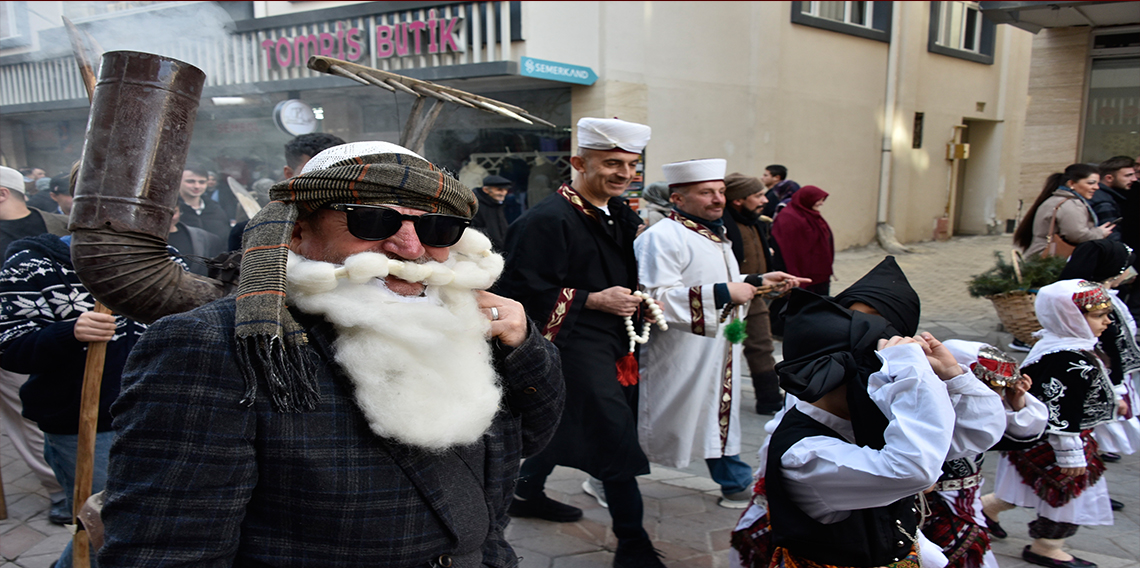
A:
<point x="680" y="505"/>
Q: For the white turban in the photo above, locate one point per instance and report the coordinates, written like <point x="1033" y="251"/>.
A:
<point x="694" y="171"/>
<point x="610" y="133"/>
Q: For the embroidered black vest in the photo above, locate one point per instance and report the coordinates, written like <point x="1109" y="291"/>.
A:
<point x="868" y="537"/>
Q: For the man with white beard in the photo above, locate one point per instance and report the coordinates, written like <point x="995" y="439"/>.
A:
<point x="361" y="401"/>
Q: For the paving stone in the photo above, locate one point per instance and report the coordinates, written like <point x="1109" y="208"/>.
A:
<point x="17" y="541"/>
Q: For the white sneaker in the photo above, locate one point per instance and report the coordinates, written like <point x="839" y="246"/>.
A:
<point x="593" y="487"/>
<point x="738" y="500"/>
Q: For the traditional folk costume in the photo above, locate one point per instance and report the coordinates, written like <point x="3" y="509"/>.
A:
<point x="690" y="387"/>
<point x="1102" y="261"/>
<point x="884" y="288"/>
<point x="558" y="253"/>
<point x="1070" y="379"/>
<point x="956" y="523"/>
<point x="840" y="492"/>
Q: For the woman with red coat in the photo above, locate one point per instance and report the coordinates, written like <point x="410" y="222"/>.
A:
<point x="804" y="239"/>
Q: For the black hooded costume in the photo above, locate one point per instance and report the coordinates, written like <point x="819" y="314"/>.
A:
<point x="826" y="346"/>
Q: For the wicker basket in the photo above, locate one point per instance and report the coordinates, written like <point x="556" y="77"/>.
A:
<point x="1015" y="309"/>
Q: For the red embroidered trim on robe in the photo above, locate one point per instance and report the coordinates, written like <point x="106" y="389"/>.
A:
<point x="724" y="410"/>
<point x="695" y="227"/>
<point x="558" y="314"/>
<point x="576" y="200"/>
<point x="697" y="310"/>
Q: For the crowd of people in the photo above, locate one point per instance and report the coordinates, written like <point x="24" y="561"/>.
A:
<point x="388" y="386"/>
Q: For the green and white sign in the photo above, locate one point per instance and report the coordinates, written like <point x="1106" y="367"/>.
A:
<point x="555" y="71"/>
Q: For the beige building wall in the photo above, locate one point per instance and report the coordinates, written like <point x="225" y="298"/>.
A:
<point x="738" y="80"/>
<point x="1057" y="88"/>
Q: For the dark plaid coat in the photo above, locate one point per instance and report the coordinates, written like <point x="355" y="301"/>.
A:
<point x="196" y="478"/>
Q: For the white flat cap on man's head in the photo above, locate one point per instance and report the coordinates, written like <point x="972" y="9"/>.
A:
<point x="11" y="179"/>
<point x="694" y="171"/>
<point x="612" y="134"/>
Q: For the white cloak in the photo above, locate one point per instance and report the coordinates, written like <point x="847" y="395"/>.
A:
<point x="689" y="389"/>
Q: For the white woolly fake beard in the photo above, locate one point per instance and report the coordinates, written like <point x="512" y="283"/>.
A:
<point x="421" y="366"/>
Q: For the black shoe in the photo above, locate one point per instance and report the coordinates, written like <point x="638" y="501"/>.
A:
<point x="1116" y="505"/>
<point x="1034" y="558"/>
<point x="994" y="527"/>
<point x="768" y="408"/>
<point x="1019" y="345"/>
<point x="1109" y="457"/>
<point x="58" y="514"/>
<point x="637" y="553"/>
<point x="545" y="508"/>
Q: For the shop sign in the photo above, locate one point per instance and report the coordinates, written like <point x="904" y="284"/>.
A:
<point x="295" y="117"/>
<point x="431" y="36"/>
<point x="554" y="71"/>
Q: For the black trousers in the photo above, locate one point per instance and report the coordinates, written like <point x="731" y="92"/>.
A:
<point x="622" y="495"/>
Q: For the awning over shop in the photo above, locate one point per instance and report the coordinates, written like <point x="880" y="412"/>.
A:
<point x="1035" y="16"/>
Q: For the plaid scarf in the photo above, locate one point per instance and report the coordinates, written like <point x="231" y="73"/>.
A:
<point x="271" y="345"/>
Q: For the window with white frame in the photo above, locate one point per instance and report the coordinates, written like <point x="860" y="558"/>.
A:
<point x="960" y="30"/>
<point x="960" y="26"/>
<point x="854" y="13"/>
<point x="871" y="20"/>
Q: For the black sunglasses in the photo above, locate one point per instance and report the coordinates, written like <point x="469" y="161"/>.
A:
<point x="376" y="223"/>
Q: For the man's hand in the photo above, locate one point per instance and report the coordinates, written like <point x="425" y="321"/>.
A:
<point x="777" y="277"/>
<point x="940" y="358"/>
<point x="741" y="292"/>
<point x="1015" y="393"/>
<point x="617" y="300"/>
<point x="93" y="326"/>
<point x="510" y="328"/>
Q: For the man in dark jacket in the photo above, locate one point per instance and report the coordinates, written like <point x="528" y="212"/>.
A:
<point x="18" y="221"/>
<point x="197" y="210"/>
<point x="745" y="198"/>
<point x="1116" y="175"/>
<point x="243" y="431"/>
<point x="490" y="217"/>
<point x="45" y="326"/>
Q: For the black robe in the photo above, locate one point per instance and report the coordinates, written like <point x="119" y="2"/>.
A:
<point x="557" y="253"/>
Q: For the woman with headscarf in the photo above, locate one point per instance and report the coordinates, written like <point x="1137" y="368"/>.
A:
<point x="1109" y="263"/>
<point x="1062" y="212"/>
<point x="805" y="240"/>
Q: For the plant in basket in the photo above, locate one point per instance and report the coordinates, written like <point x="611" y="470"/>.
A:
<point x="1012" y="287"/>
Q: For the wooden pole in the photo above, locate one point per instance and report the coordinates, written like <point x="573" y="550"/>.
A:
<point x="96" y="354"/>
<point x="85" y="455"/>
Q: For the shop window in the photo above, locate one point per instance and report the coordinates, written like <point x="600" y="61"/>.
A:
<point x="871" y="20"/>
<point x="1112" y="106"/>
<point x="958" y="29"/>
<point x="14" y="25"/>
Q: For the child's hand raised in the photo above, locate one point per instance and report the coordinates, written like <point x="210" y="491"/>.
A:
<point x="940" y="358"/>
<point x="1015" y="393"/>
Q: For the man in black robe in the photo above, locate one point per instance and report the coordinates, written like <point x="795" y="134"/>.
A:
<point x="570" y="262"/>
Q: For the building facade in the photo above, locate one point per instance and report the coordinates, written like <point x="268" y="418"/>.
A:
<point x="875" y="102"/>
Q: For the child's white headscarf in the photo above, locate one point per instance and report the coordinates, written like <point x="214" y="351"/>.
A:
<point x="1064" y="325"/>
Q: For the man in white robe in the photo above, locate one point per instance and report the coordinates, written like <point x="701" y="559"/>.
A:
<point x="689" y="389"/>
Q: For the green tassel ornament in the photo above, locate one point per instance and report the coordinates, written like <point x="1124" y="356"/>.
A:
<point x="735" y="331"/>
